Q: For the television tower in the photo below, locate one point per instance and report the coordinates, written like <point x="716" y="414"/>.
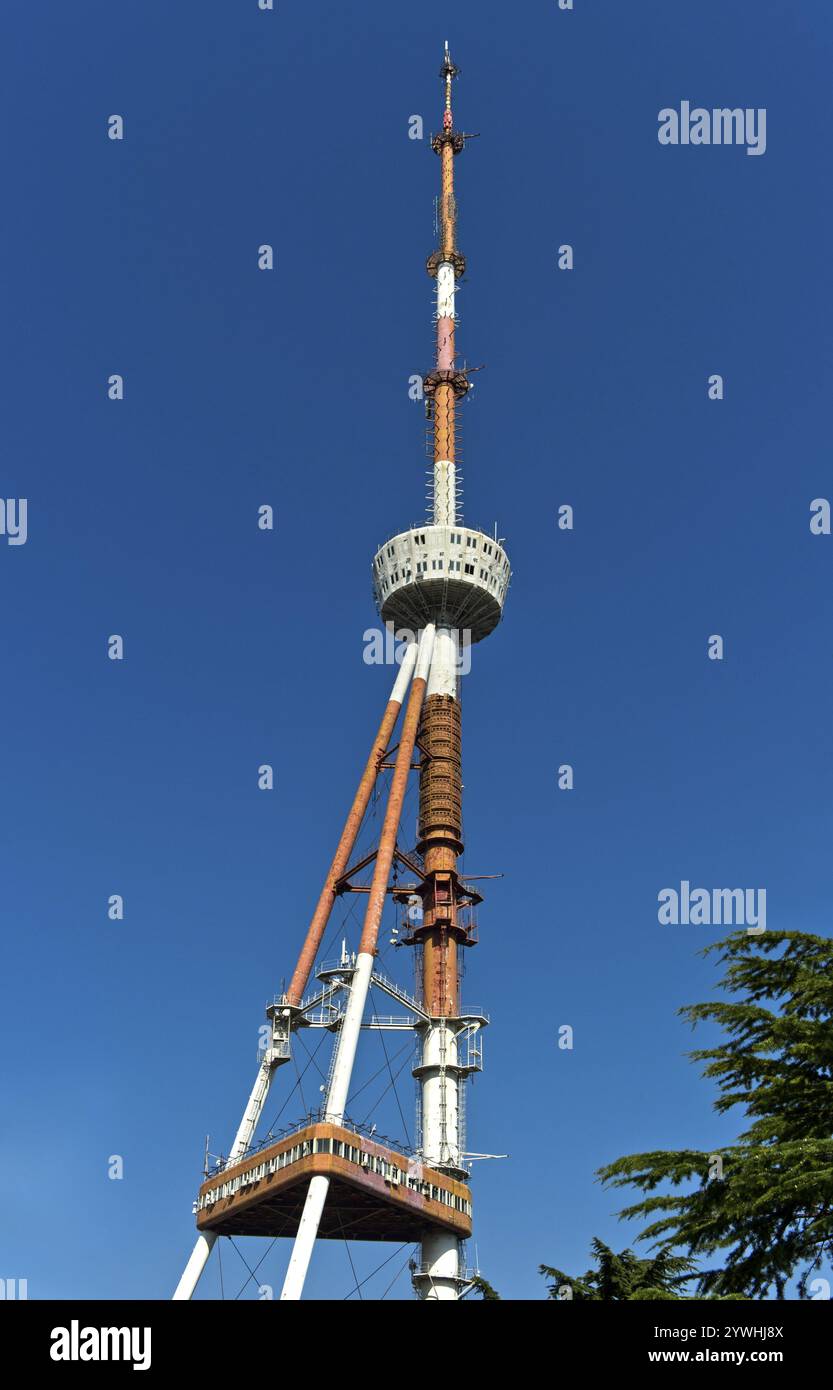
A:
<point x="444" y="585"/>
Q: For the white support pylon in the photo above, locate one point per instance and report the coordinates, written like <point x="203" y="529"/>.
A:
<point x="348" y="1041"/>
<point x="440" y="1268"/>
<point x="293" y="1285"/>
<point x="243" y="1138"/>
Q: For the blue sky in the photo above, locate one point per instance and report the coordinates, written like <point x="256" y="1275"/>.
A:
<point x="242" y="647"/>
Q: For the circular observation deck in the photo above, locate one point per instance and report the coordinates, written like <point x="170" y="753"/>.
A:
<point x="448" y="575"/>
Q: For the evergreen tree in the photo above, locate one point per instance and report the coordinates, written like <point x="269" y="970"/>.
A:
<point x="621" y="1277"/>
<point x="770" y="1214"/>
<point x="484" y="1288"/>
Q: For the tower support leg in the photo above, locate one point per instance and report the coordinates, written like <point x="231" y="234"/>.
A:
<point x="242" y="1140"/>
<point x="348" y="1041"/>
<point x="245" y="1133"/>
<point x="439" y="1278"/>
<point x="360" y="984"/>
<point x="293" y="1284"/>
<point x="195" y="1266"/>
<point x="361" y="800"/>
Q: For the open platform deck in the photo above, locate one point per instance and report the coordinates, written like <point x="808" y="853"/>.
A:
<point x="375" y="1192"/>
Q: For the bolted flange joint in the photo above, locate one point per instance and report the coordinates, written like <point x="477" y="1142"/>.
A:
<point x="457" y="380"/>
<point x="438" y="258"/>
<point x="455" y="138"/>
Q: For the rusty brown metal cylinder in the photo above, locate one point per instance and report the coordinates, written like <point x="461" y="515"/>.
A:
<point x="440" y="783"/>
<point x="448" y="207"/>
<point x="440" y="842"/>
<point x="440" y="983"/>
<point x="444" y="422"/>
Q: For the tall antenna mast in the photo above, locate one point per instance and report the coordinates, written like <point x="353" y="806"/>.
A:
<point x="330" y="1178"/>
<point x="444" y="386"/>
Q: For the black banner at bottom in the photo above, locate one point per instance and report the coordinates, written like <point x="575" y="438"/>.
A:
<point x="213" y="1338"/>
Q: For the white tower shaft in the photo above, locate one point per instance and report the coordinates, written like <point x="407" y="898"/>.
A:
<point x="445" y="469"/>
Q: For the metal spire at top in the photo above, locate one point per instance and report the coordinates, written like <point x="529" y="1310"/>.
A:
<point x="448" y="72"/>
<point x="448" y="69"/>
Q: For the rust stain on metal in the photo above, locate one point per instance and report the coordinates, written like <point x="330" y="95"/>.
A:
<point x="393" y="812"/>
<point x="321" y="916"/>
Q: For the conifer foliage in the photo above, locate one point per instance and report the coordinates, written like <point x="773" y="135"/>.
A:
<point x="620" y="1278"/>
<point x="769" y="1217"/>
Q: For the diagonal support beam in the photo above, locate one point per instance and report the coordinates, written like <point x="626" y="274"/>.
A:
<point x="324" y="907"/>
<point x="351" y="1027"/>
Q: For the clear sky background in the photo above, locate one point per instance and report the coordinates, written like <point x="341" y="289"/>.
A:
<point x="242" y="647"/>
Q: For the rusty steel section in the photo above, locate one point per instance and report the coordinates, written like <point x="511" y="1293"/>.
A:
<point x="449" y="207"/>
<point x="324" y="907"/>
<point x="440" y="974"/>
<point x="393" y="812"/>
<point x="445" y="434"/>
<point x="440" y="785"/>
<point x="440" y="842"/>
